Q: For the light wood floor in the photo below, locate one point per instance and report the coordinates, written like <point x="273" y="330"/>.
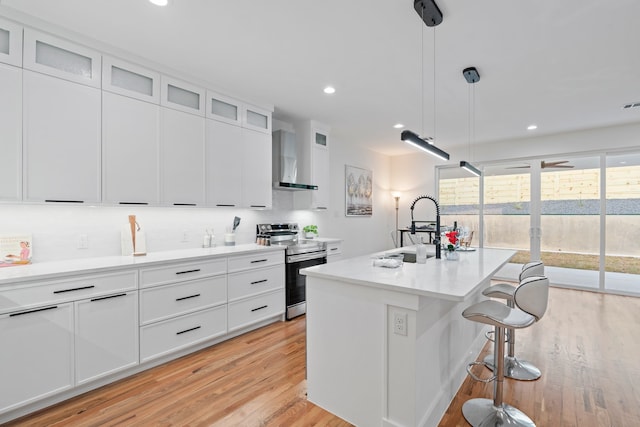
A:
<point x="587" y="347"/>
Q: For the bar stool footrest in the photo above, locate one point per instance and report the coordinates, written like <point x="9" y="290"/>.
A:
<point x="477" y="378"/>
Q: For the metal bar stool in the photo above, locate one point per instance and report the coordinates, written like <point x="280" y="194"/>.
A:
<point x="514" y="368"/>
<point x="530" y="299"/>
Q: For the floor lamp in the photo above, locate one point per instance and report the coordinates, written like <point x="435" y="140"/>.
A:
<point x="396" y="196"/>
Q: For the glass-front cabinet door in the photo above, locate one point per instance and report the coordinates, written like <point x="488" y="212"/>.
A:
<point x="10" y="43"/>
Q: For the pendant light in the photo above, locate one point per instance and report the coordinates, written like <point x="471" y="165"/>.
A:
<point x="431" y="15"/>
<point x="472" y="76"/>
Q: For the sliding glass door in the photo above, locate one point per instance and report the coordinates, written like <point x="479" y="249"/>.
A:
<point x="622" y="260"/>
<point x="507" y="209"/>
<point x="570" y="220"/>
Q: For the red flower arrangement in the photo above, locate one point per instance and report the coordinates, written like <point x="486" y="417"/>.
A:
<point x="453" y="239"/>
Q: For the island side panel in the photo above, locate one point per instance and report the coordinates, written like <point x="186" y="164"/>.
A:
<point x="345" y="350"/>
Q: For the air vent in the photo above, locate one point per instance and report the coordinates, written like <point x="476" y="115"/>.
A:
<point x="634" y="105"/>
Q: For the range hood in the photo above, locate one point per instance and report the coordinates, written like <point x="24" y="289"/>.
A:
<point x="285" y="163"/>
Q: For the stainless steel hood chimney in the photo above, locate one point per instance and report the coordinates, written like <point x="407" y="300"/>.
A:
<point x="285" y="162"/>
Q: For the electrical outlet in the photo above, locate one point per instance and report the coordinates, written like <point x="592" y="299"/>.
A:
<point x="185" y="236"/>
<point x="83" y="241"/>
<point x="400" y="323"/>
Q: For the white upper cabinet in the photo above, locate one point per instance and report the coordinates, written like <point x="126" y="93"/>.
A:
<point x="130" y="150"/>
<point x="256" y="169"/>
<point x="256" y="118"/>
<point x="10" y="43"/>
<point x="223" y="108"/>
<point x="61" y="140"/>
<point x="10" y="133"/>
<point x="182" y="96"/>
<point x="315" y="165"/>
<point x="223" y="164"/>
<point x="182" y="152"/>
<point x="130" y="80"/>
<point x="57" y="57"/>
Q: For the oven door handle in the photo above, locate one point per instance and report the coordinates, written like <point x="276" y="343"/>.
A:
<point x="305" y="257"/>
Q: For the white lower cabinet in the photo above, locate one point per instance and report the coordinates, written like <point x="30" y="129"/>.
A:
<point x="251" y="310"/>
<point x="106" y="339"/>
<point x="163" y="302"/>
<point x="334" y="251"/>
<point x="159" y="339"/>
<point x="36" y="360"/>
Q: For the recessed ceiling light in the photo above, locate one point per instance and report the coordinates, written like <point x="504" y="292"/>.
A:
<point x="329" y="90"/>
<point x="532" y="127"/>
<point x="160" y="2"/>
<point x="398" y="126"/>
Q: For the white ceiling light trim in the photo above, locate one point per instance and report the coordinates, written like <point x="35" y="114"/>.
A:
<point x="159" y="2"/>
<point x="398" y="126"/>
<point x="329" y="90"/>
<point x="532" y="127"/>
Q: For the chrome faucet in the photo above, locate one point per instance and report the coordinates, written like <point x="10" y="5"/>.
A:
<point x="436" y="240"/>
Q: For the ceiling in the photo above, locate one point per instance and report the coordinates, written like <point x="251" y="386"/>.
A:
<point x="562" y="65"/>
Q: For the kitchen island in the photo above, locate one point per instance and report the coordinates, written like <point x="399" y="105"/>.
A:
<point x="388" y="346"/>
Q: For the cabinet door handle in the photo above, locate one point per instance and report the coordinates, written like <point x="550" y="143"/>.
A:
<point x="258" y="281"/>
<point x="63" y="201"/>
<point x="133" y="203"/>
<point x="33" y="311"/>
<point x="184" y="204"/>
<point x="74" y="289"/>
<point x="225" y="205"/>
<point x="188" y="330"/>
<point x="259" y="308"/>
<point x="258" y="260"/>
<point x="108" y="297"/>
<point x="258" y="206"/>
<point x="321" y="208"/>
<point x="188" y="271"/>
<point x="190" y="296"/>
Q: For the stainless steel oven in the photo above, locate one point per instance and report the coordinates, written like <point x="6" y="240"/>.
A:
<point x="298" y="255"/>
<point x="296" y="287"/>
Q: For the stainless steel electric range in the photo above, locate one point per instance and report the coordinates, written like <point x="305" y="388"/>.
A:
<point x="299" y="254"/>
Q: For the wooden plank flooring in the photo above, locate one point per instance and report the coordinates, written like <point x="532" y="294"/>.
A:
<point x="587" y="346"/>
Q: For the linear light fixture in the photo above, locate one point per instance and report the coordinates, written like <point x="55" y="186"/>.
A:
<point x="472" y="76"/>
<point x="413" y="139"/>
<point x="470" y="168"/>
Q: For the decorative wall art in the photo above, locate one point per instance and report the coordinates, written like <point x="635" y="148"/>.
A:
<point x="358" y="191"/>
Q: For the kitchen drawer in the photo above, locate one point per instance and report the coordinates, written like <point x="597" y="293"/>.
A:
<point x="251" y="310"/>
<point x="246" y="262"/>
<point x="179" y="272"/>
<point x="163" y="302"/>
<point x="72" y="289"/>
<point x="254" y="282"/>
<point x="165" y="337"/>
<point x="334" y="248"/>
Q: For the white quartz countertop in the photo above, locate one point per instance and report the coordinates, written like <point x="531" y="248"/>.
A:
<point x="46" y="270"/>
<point x="439" y="278"/>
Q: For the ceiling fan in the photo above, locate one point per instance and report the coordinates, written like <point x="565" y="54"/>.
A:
<point x="546" y="165"/>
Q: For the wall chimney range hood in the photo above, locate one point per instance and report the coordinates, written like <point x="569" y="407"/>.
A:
<point x="285" y="163"/>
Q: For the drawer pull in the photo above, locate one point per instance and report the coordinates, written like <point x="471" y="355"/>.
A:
<point x="190" y="296"/>
<point x="133" y="203"/>
<point x="259" y="308"/>
<point x="258" y="260"/>
<point x="110" y="296"/>
<point x="63" y="201"/>
<point x="74" y="289"/>
<point x="188" y="330"/>
<point x="188" y="271"/>
<point x="259" y="281"/>
<point x="257" y="206"/>
<point x="334" y="249"/>
<point x="33" y="311"/>
<point x="224" y="205"/>
<point x="321" y="208"/>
